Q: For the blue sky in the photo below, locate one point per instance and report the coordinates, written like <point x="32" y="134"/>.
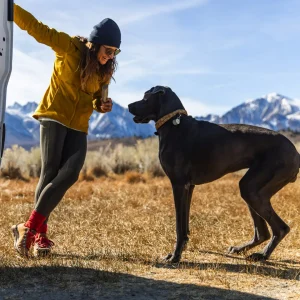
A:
<point x="214" y="54"/>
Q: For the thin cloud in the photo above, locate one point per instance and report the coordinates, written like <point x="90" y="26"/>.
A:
<point x="125" y="97"/>
<point x="176" y="72"/>
<point x="221" y="86"/>
<point x="194" y="107"/>
<point x="29" y="79"/>
<point x="161" y="9"/>
<point x="197" y="108"/>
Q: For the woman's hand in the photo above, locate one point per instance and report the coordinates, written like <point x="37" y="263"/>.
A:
<point x="106" y="106"/>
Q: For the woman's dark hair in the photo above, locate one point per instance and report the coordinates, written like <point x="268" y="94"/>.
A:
<point x="90" y="65"/>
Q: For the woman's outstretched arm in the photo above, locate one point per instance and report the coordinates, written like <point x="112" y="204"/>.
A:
<point x="59" y="41"/>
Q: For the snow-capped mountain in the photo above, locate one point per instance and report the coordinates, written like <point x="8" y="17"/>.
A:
<point x="117" y="124"/>
<point x="272" y="111"/>
<point x="23" y="130"/>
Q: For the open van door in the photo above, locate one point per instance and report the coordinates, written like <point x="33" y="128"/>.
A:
<point x="6" y="49"/>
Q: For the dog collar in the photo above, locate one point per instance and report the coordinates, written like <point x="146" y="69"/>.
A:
<point x="167" y="117"/>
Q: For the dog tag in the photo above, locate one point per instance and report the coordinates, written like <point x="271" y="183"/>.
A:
<point x="176" y="122"/>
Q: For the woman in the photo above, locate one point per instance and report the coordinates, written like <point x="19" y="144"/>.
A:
<point x="82" y="66"/>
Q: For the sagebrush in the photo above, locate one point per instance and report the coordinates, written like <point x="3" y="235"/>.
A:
<point x="18" y="163"/>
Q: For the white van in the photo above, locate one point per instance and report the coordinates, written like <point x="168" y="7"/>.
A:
<point x="6" y="49"/>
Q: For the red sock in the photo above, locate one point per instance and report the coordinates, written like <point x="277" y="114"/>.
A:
<point x="35" y="220"/>
<point x="43" y="228"/>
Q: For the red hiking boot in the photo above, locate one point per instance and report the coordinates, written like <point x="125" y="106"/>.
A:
<point x="23" y="238"/>
<point x="42" y="245"/>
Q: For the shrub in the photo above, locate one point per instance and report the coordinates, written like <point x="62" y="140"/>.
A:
<point x="85" y="175"/>
<point x="134" y="177"/>
<point x="123" y="159"/>
<point x="147" y="155"/>
<point x="142" y="158"/>
<point x="15" y="163"/>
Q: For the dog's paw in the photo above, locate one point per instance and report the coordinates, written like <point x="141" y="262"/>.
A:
<point x="172" y="258"/>
<point x="257" y="257"/>
<point x="168" y="257"/>
<point x="234" y="250"/>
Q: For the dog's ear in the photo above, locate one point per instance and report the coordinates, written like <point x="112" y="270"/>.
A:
<point x="157" y="89"/>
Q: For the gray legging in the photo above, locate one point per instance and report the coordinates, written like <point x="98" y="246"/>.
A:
<point x="63" y="152"/>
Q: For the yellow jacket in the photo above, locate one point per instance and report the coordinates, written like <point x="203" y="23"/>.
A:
<point x="64" y="100"/>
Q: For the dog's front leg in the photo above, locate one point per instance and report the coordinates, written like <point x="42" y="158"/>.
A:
<point x="181" y="193"/>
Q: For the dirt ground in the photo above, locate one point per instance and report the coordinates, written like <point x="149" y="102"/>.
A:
<point x="110" y="238"/>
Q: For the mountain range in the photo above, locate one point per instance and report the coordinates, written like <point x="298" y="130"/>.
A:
<point x="273" y="111"/>
<point x="23" y="130"/>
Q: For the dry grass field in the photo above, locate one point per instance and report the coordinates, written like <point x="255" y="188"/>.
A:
<point x="111" y="234"/>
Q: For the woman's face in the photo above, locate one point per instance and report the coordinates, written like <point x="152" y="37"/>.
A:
<point x="105" y="53"/>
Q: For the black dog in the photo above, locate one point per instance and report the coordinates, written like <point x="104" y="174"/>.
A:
<point x="194" y="152"/>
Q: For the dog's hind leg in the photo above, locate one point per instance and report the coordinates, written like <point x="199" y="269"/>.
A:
<point x="182" y="204"/>
<point x="257" y="187"/>
<point x="279" y="228"/>
<point x="261" y="234"/>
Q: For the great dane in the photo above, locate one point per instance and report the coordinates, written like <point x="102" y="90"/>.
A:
<point x="194" y="152"/>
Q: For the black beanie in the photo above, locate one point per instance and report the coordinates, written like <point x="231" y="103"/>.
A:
<point x="107" y="32"/>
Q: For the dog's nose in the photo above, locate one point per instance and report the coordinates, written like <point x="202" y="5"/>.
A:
<point x="131" y="108"/>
